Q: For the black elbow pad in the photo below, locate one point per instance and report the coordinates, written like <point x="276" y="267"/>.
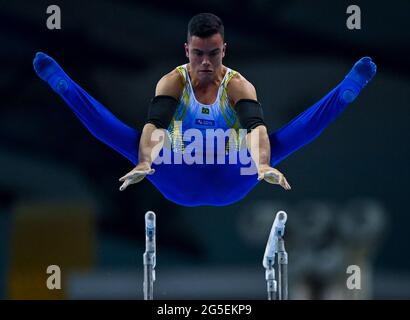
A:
<point x="161" y="111"/>
<point x="250" y="113"/>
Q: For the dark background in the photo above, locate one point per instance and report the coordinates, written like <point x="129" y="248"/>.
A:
<point x="59" y="198"/>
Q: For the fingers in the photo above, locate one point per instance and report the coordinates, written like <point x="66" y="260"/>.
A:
<point x="284" y="183"/>
<point x="134" y="176"/>
<point x="131" y="180"/>
<point x="125" y="185"/>
<point x="275" y="178"/>
<point x="137" y="173"/>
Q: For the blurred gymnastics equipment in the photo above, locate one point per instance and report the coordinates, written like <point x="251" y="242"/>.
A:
<point x="326" y="238"/>
<point x="338" y="236"/>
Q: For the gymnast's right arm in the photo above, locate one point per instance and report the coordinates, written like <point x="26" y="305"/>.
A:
<point x="167" y="94"/>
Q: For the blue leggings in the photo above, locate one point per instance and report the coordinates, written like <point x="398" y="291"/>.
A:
<point x="198" y="184"/>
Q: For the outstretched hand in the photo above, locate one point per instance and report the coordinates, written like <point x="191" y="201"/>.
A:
<point x="136" y="175"/>
<point x="273" y="176"/>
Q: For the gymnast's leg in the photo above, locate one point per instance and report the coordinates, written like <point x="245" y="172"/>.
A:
<point x="309" y="124"/>
<point x="98" y="120"/>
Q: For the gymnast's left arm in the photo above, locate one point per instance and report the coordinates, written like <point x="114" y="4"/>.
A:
<point x="242" y="95"/>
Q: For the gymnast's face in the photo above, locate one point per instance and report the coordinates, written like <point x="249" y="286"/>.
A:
<point x="205" y="56"/>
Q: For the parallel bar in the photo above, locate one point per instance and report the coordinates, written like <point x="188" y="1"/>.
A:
<point x="275" y="248"/>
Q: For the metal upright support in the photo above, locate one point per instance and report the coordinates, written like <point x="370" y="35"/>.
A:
<point x="276" y="248"/>
<point x="271" y="283"/>
<point x="282" y="269"/>
<point x="149" y="257"/>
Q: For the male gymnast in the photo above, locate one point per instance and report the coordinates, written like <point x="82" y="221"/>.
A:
<point x="204" y="94"/>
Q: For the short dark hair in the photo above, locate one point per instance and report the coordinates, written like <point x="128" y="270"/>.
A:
<point x="204" y="25"/>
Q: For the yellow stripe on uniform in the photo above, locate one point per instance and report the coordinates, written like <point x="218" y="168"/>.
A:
<point x="224" y="104"/>
<point x="176" y="134"/>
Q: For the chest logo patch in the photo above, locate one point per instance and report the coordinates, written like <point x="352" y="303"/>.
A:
<point x="205" y="110"/>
